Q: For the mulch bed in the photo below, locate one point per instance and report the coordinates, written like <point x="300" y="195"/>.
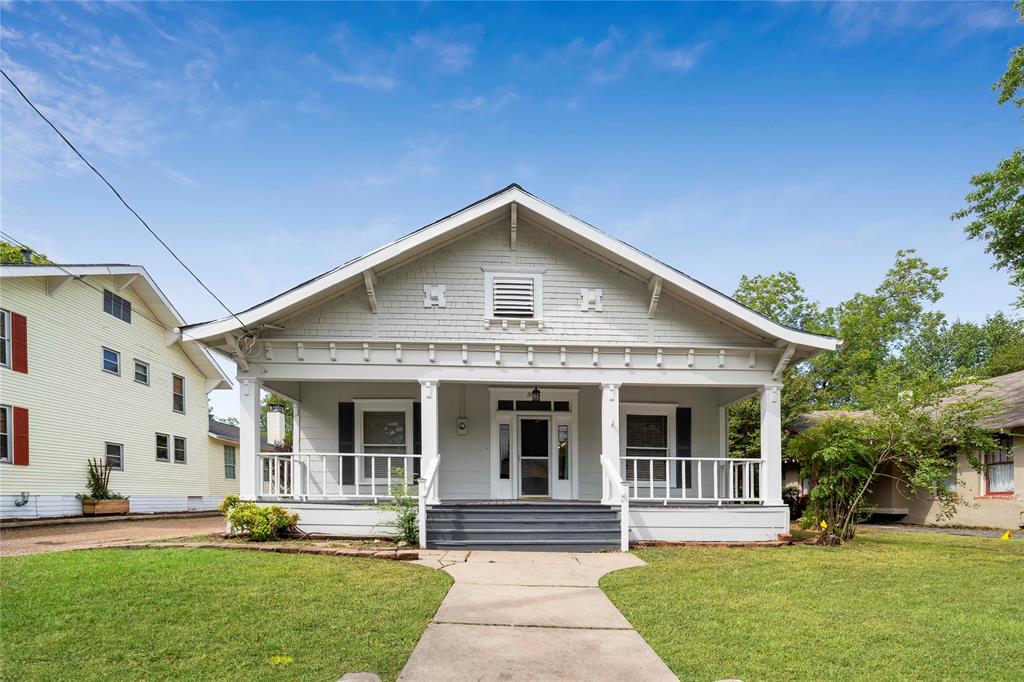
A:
<point x="390" y="554"/>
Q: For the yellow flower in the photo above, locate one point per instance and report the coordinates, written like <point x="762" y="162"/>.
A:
<point x="281" y="660"/>
<point x="823" y="525"/>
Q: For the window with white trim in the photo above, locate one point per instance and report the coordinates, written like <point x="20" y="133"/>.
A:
<point x="999" y="467"/>
<point x="111" y="361"/>
<point x="114" y="455"/>
<point x="179" y="450"/>
<point x="6" y="434"/>
<point x="163" y="447"/>
<point x="142" y="372"/>
<point x="5" y="338"/>
<point x="229" y="462"/>
<point x="383" y="427"/>
<point x="513" y="295"/>
<point x="178" y="393"/>
<point x="647" y="436"/>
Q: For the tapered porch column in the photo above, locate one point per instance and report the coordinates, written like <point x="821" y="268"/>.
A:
<point x="771" y="444"/>
<point x="429" y="434"/>
<point x="249" y="439"/>
<point x="610" y="440"/>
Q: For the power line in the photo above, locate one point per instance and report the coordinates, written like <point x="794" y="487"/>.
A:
<point x="121" y="198"/>
<point x="78" y="278"/>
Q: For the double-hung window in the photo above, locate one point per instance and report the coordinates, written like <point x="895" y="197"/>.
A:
<point x="647" y="438"/>
<point x="163" y="447"/>
<point x="111" y="361"/>
<point x="117" y="306"/>
<point x="513" y="295"/>
<point x="142" y="372"/>
<point x="999" y="468"/>
<point x="6" y="435"/>
<point x="179" y="450"/>
<point x="178" y="391"/>
<point x="5" y="338"/>
<point x="114" y="454"/>
<point x="229" y="462"/>
<point x="384" y="427"/>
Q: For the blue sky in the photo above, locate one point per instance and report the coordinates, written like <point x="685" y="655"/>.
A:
<point x="270" y="142"/>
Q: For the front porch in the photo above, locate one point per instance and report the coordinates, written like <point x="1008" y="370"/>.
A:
<point x="654" y="456"/>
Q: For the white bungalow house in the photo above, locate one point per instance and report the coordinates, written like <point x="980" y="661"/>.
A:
<point x="545" y="383"/>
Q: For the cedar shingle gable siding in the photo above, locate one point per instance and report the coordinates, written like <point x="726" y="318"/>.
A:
<point x="460" y="266"/>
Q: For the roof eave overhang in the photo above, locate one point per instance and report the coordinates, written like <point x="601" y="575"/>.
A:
<point x="549" y="216"/>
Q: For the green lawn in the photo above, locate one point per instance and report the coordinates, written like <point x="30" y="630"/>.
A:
<point x="209" y="615"/>
<point x="888" y="606"/>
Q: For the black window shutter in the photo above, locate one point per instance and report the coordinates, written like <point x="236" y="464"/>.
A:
<point x="684" y="433"/>
<point x="417" y="438"/>
<point x="347" y="441"/>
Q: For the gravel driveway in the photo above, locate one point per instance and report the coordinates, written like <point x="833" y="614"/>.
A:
<point x="34" y="539"/>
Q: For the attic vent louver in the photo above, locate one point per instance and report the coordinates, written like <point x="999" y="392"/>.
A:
<point x="513" y="297"/>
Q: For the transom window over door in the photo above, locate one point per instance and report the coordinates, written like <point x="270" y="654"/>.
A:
<point x="646" y="436"/>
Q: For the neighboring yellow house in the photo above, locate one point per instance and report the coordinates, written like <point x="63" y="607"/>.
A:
<point x="92" y="365"/>
<point x="223" y="458"/>
<point x="994" y="495"/>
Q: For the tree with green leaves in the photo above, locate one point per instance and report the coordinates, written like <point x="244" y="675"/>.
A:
<point x="912" y="433"/>
<point x="11" y="254"/>
<point x="995" y="207"/>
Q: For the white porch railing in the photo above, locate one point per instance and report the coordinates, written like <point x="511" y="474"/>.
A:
<point x="337" y="475"/>
<point x="619" y="486"/>
<point x="692" y="479"/>
<point x="426" y="483"/>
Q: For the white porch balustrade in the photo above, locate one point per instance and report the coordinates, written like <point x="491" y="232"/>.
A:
<point x="355" y="476"/>
<point x="716" y="480"/>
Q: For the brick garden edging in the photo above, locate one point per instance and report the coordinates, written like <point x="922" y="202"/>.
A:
<point x="390" y="554"/>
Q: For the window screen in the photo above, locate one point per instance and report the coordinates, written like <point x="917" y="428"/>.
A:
<point x="117" y="306"/>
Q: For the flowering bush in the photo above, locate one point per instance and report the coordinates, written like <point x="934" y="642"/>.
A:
<point x="259" y="523"/>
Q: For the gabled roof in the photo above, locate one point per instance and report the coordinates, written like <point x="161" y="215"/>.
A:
<point x="135" y="277"/>
<point x="481" y="212"/>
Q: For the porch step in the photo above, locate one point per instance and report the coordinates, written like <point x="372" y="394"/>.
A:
<point x="534" y="526"/>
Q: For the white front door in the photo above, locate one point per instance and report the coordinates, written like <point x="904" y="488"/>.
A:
<point x="533" y="445"/>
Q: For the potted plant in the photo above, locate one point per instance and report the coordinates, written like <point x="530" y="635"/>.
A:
<point x="101" y="500"/>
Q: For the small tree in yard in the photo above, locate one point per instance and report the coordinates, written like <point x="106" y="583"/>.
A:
<point x="404" y="506"/>
<point x="911" y="435"/>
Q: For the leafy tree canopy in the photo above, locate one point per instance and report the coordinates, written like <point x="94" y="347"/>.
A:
<point x="11" y="253"/>
<point x="995" y="207"/>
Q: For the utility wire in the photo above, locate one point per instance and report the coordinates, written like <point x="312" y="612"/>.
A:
<point x="79" y="278"/>
<point x="118" y="195"/>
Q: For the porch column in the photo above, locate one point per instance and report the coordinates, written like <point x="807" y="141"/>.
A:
<point x="249" y="439"/>
<point x="428" y="434"/>
<point x="771" y="444"/>
<point x="610" y="440"/>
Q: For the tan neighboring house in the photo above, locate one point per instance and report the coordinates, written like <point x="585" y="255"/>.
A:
<point x="92" y="365"/>
<point x="223" y="458"/>
<point x="994" y="495"/>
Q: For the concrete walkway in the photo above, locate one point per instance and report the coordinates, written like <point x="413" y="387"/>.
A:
<point x="530" y="616"/>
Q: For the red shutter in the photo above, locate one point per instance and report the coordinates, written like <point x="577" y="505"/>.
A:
<point x="20" y="435"/>
<point x="19" y="343"/>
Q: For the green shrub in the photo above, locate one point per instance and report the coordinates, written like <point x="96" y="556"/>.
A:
<point x="259" y="523"/>
<point x="405" y="508"/>
<point x="229" y="502"/>
<point x="795" y="500"/>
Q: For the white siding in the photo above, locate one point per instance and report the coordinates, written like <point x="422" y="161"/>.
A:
<point x="708" y="524"/>
<point x="460" y="267"/>
<point x="74" y="407"/>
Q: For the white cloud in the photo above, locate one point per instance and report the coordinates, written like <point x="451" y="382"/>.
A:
<point x="855" y="22"/>
<point x="485" y="103"/>
<point x="419" y="161"/>
<point x="449" y="55"/>
<point x="615" y="55"/>
<point x="364" y="80"/>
